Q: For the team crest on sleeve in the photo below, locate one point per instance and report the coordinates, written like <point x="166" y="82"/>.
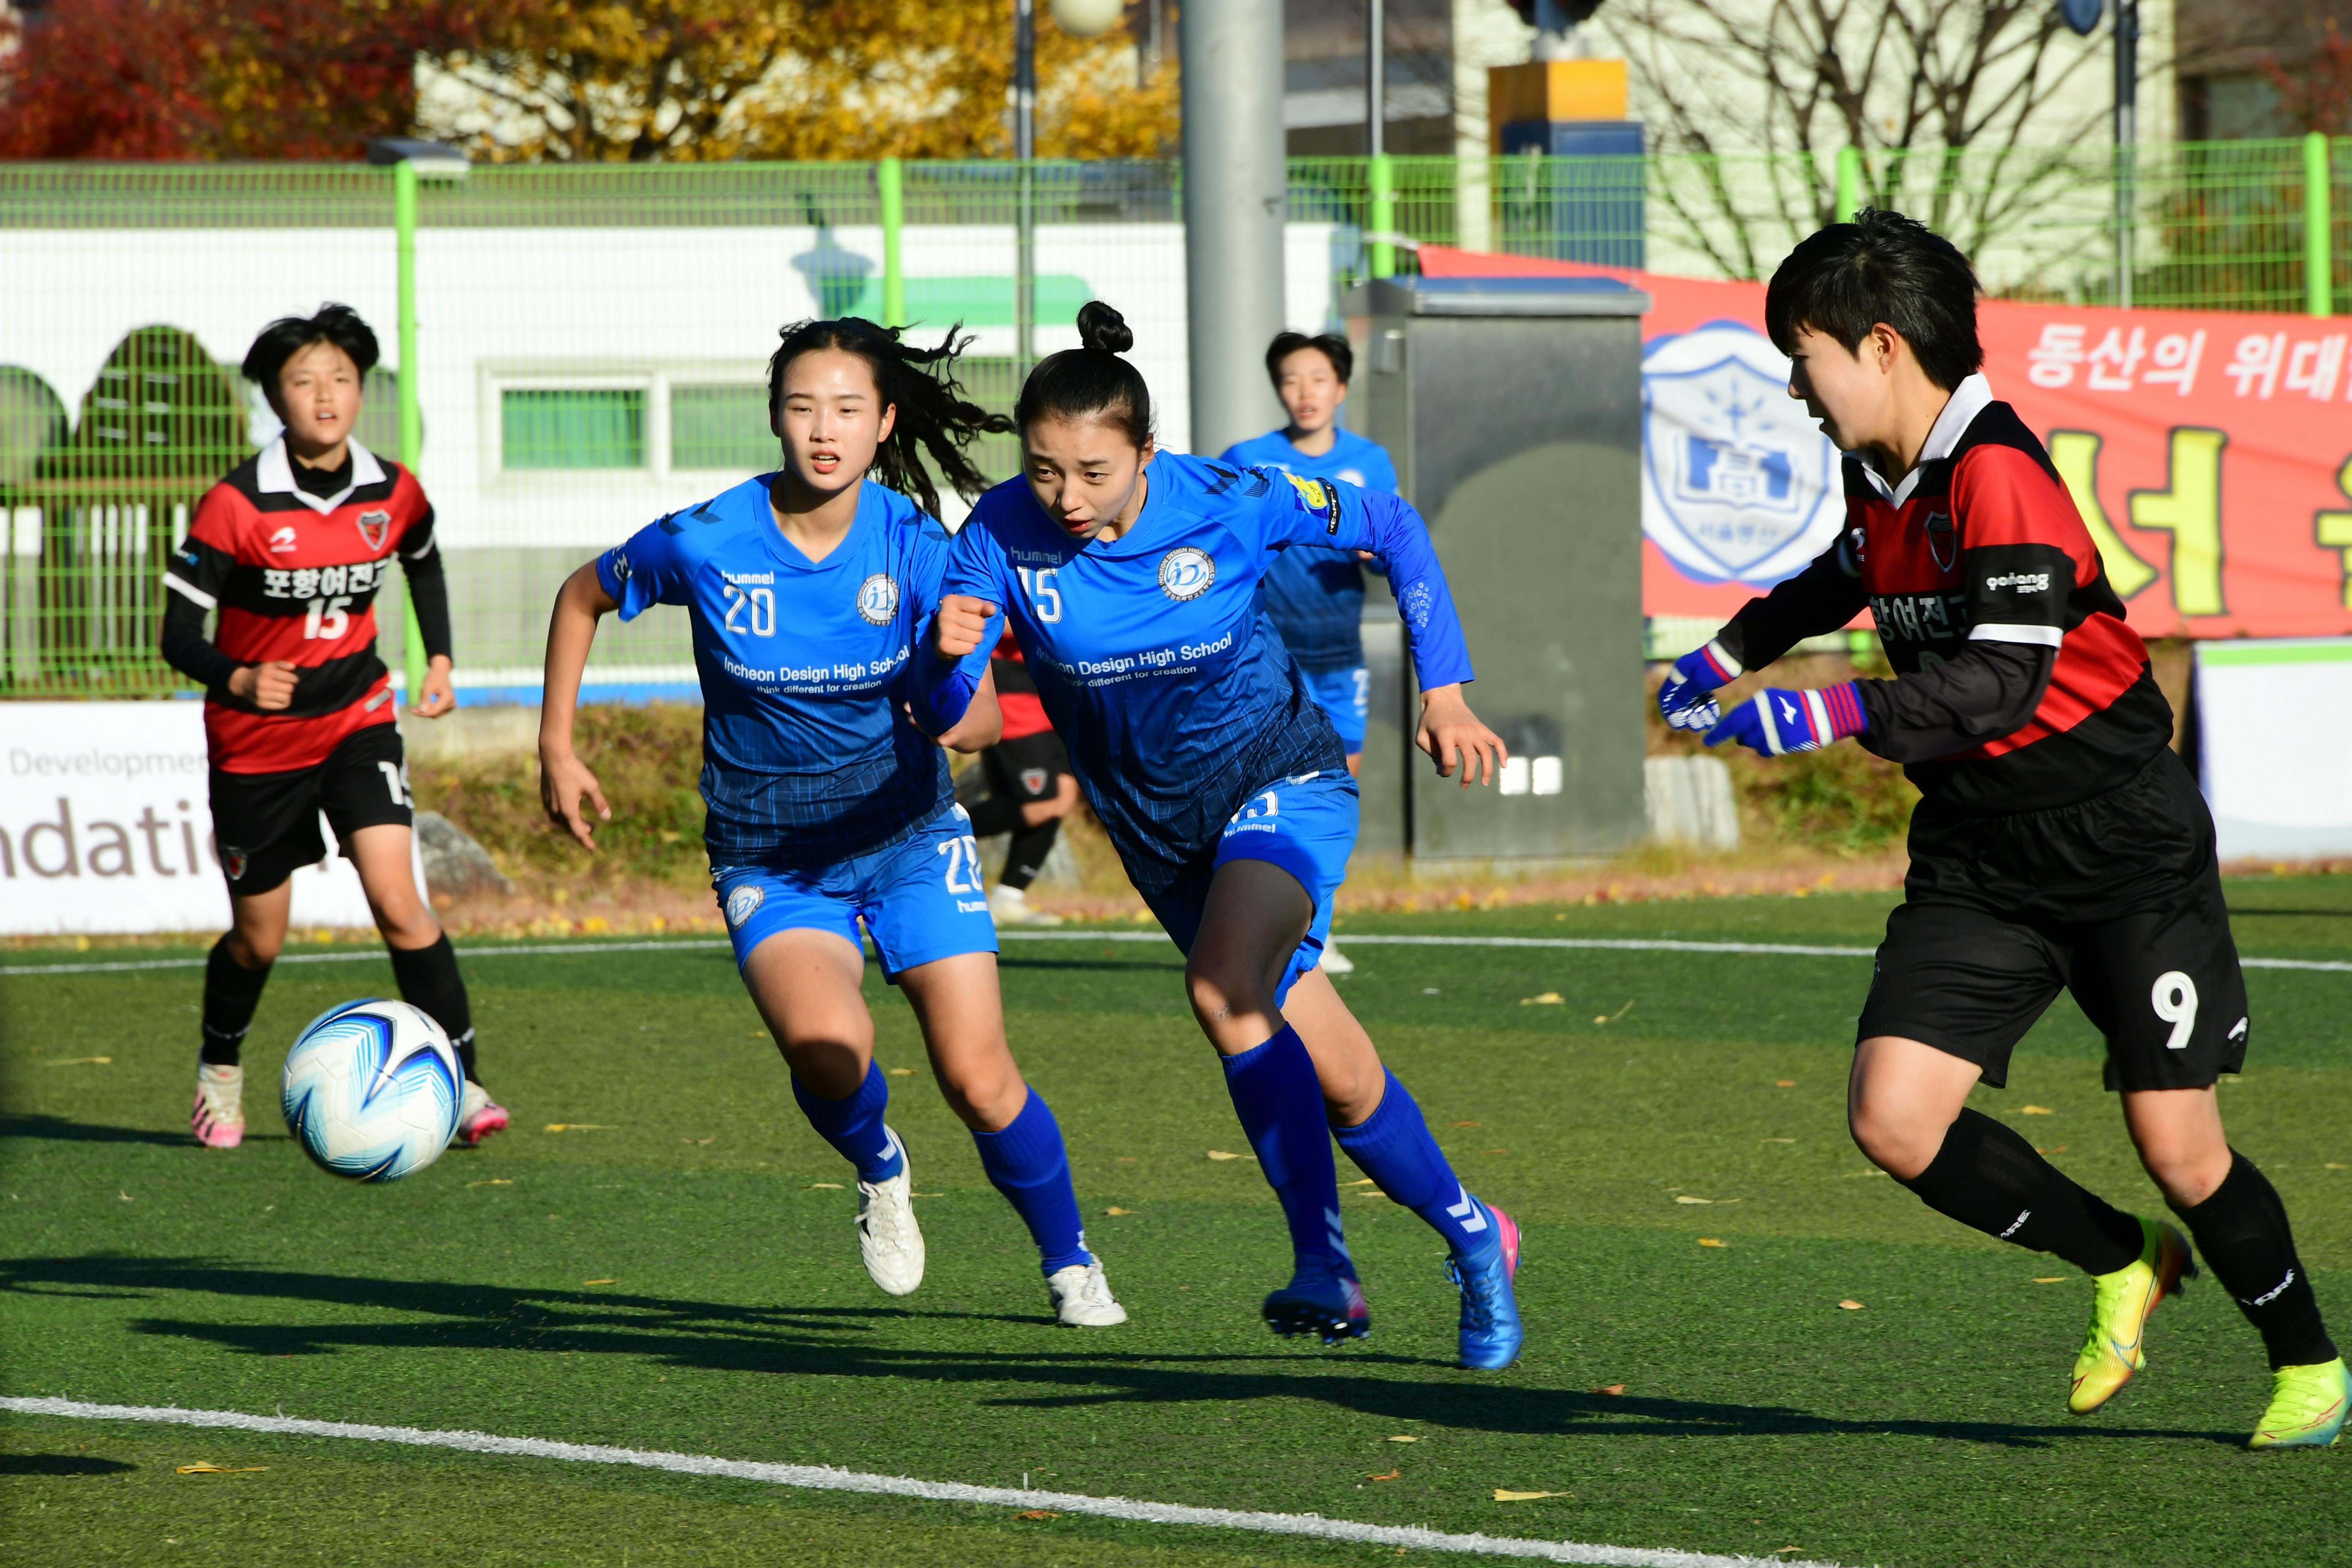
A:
<point x="1320" y="499"/>
<point x="1186" y="573"/>
<point x="877" y="599"/>
<point x="374" y="528"/>
<point x="743" y="903"/>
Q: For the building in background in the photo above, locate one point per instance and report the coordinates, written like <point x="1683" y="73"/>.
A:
<point x="2254" y="68"/>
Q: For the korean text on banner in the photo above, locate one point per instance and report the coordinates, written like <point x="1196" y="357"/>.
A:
<point x="104" y="825"/>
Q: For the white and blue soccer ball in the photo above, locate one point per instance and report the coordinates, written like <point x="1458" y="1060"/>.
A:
<point x="372" y="1090"/>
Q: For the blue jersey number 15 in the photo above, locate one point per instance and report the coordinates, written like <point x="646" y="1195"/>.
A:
<point x="1044" y="597"/>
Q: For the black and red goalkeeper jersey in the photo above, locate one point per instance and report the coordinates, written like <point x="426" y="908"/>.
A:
<point x="2019" y="687"/>
<point x="294" y="576"/>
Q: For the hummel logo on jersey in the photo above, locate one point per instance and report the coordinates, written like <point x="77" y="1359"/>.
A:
<point x="1186" y="573"/>
<point x="281" y="542"/>
<point x="2023" y="582"/>
<point x="1466" y="1211"/>
<point x="374" y="528"/>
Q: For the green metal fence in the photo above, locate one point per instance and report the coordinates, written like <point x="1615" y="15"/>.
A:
<point x="107" y="439"/>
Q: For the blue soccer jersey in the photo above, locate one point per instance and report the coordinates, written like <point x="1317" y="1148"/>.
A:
<point x="807" y="758"/>
<point x="1316" y="597"/>
<point x="1175" y="699"/>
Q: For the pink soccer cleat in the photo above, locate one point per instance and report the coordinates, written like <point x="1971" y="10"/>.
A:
<point x="217" y="1117"/>
<point x="479" y="1116"/>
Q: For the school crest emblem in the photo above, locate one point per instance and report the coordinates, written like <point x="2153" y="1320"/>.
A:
<point x="1034" y="780"/>
<point x="374" y="528"/>
<point x="1943" y="540"/>
<point x="743" y="903"/>
<point x="877" y="599"/>
<point x="232" y="862"/>
<point x="1186" y="573"/>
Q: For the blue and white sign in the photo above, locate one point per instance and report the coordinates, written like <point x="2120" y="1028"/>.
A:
<point x="1738" y="484"/>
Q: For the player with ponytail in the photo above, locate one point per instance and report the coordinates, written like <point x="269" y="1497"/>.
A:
<point x="1129" y="577"/>
<point x="808" y="590"/>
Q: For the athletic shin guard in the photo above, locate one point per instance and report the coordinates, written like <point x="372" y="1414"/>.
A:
<point x="429" y="981"/>
<point x="1989" y="1179"/>
<point x="1280" y="1103"/>
<point x="2242" y="1231"/>
<point x="1393" y="1147"/>
<point x="231" y="993"/>
<point x="1027" y="1163"/>
<point x="854" y="1126"/>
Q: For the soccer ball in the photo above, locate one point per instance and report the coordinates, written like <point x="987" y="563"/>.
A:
<point x="372" y="1090"/>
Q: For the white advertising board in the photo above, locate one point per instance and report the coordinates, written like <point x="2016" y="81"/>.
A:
<point x="105" y="828"/>
<point x="2274" y="744"/>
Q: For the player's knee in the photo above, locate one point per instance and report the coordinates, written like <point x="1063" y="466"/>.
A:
<point x="1221" y="990"/>
<point x="2187" y="1171"/>
<point x="254" y="948"/>
<point x="986" y="1100"/>
<point x="1897" y="1144"/>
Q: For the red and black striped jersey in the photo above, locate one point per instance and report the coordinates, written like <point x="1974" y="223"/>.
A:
<point x="1016" y="693"/>
<point x="294" y="576"/>
<point x="1980" y="544"/>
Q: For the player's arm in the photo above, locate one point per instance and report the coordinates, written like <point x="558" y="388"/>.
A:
<point x="983" y="724"/>
<point x="1335" y="513"/>
<point x="428" y="591"/>
<point x="198" y="574"/>
<point x="1825" y="595"/>
<point x="630" y="579"/>
<point x="951" y="649"/>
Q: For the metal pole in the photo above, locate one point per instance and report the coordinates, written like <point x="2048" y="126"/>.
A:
<point x="1849" y="183"/>
<point x="411" y="415"/>
<point x="1025" y="148"/>
<point x="1380" y="218"/>
<point x="1376" y="78"/>
<point x="890" y="185"/>
<point x="1235" y="203"/>
<point x="2127" y="138"/>
<point x="2318" y="261"/>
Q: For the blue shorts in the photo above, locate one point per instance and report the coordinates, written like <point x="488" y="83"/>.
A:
<point x="921" y="898"/>
<point x="1346" y="695"/>
<point x="1307" y="826"/>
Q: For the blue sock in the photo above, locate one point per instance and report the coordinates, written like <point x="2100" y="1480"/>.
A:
<point x="1393" y="1147"/>
<point x="1028" y="1164"/>
<point x="854" y="1126"/>
<point x="1280" y="1102"/>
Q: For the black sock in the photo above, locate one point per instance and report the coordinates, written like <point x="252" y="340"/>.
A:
<point x="1027" y="856"/>
<point x="2242" y="1231"/>
<point x="1989" y="1179"/>
<point x="429" y="981"/>
<point x="231" y="993"/>
<point x="995" y="813"/>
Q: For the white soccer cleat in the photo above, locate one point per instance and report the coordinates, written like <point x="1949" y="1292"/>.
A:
<point x="1009" y="907"/>
<point x="889" y="1240"/>
<point x="217" y="1117"/>
<point x="1082" y="1298"/>
<point x="1333" y="961"/>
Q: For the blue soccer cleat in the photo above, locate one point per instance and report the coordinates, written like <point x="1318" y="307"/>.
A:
<point x="1491" y="1334"/>
<point x="1319" y="1301"/>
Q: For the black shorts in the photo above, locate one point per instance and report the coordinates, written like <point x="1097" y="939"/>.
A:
<point x="265" y="825"/>
<point x="2117" y="899"/>
<point x="1029" y="769"/>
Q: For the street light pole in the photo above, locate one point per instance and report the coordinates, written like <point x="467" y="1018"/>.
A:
<point x="1024" y="149"/>
<point x="1376" y="77"/>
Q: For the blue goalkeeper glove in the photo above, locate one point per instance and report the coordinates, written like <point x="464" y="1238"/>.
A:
<point x="1776" y="720"/>
<point x="1686" y="701"/>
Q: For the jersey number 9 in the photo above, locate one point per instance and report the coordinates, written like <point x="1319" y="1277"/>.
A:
<point x="760" y="602"/>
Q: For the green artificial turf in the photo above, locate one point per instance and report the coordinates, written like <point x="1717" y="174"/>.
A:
<point x="1926" y="1428"/>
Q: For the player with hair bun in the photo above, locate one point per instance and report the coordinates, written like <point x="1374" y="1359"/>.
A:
<point x="1129" y="577"/>
<point x="290" y="551"/>
<point x="807" y="589"/>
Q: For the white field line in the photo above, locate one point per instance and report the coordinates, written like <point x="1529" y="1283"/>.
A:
<point x="825" y="1479"/>
<point x="1611" y="944"/>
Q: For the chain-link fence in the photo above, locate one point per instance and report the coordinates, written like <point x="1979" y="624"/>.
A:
<point x="592" y="340"/>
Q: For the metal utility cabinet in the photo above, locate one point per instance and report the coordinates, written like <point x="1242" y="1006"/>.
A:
<point x="1512" y="408"/>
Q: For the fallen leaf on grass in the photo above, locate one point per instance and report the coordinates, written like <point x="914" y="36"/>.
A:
<point x="1037" y="1513"/>
<point x="1468" y="1124"/>
<point x="1401" y="1438"/>
<point x="2035" y="1111"/>
<point x="1116" y="1209"/>
<point x="927" y="1195"/>
<point x="1390" y="1476"/>
<point x="1608" y="1388"/>
<point x="835" y="1186"/>
<point x="2054" y="1149"/>
<point x="1548" y="999"/>
<point x="713" y="1139"/>
<point x="1709" y="1241"/>
<point x="1612" y="1017"/>
<point x="1776" y="1140"/>
<point x="493" y="1182"/>
<point x="1501" y="1495"/>
<point x="1850" y="1306"/>
<point x="1494" y="1150"/>
<point x="80" y="1062"/>
<point x="1686" y="1199"/>
<point x="2335" y="1165"/>
<point x="1784" y="1083"/>
<point x="582" y="1126"/>
<point x="126" y="1197"/>
<point x="202" y="1468"/>
<point x="1778" y="1550"/>
<point x="1360" y="1182"/>
<point x="1223" y="1154"/>
<point x="910" y="1072"/>
<point x="600" y="1282"/>
<point x="2049" y="1280"/>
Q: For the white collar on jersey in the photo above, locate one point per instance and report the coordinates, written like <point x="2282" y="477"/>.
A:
<point x="275" y="476"/>
<point x="1968" y="400"/>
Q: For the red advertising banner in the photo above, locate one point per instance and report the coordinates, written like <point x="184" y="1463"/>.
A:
<point x="2209" y="453"/>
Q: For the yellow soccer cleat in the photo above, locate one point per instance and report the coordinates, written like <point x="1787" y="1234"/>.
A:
<point x="2119" y="1313"/>
<point x="2308" y="1405"/>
